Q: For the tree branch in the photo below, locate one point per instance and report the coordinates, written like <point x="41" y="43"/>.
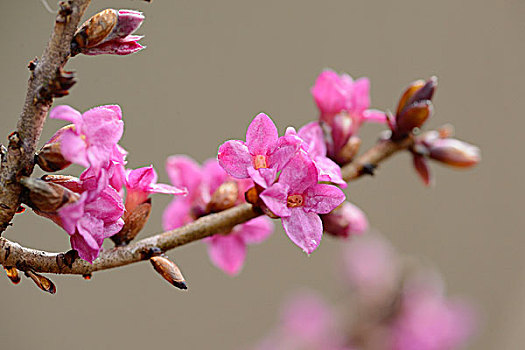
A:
<point x="17" y="161"/>
<point x="14" y="255"/>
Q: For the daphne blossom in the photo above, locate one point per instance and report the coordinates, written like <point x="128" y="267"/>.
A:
<point x="263" y="154"/>
<point x="226" y="251"/>
<point x="298" y="199"/>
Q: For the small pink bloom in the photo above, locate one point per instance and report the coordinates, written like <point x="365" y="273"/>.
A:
<point x="429" y="321"/>
<point x="141" y="182"/>
<point x="227" y="252"/>
<point x="90" y="221"/>
<point x="345" y="220"/>
<point x="263" y="154"/>
<point x="335" y="93"/>
<point x="312" y="142"/>
<point x="120" y="41"/>
<point x="298" y="199"/>
<point x="94" y="136"/>
<point x="344" y="105"/>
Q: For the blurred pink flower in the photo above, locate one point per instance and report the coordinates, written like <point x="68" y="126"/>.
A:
<point x="429" y="321"/>
<point x="298" y="199"/>
<point x="226" y="251"/>
<point x="263" y="154"/>
<point x="345" y="220"/>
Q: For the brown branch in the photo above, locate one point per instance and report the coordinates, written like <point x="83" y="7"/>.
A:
<point x="12" y="254"/>
<point x="18" y="159"/>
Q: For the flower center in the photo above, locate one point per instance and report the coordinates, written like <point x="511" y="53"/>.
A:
<point x="259" y="161"/>
<point x="295" y="200"/>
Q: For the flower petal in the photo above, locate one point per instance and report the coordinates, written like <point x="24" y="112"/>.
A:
<point x="304" y="229"/>
<point x="284" y="150"/>
<point x="215" y="174"/>
<point x="261" y="134"/>
<point x="184" y="172"/>
<point x="322" y="199"/>
<point x="299" y="174"/>
<point x="360" y="96"/>
<point x="264" y="177"/>
<point x="256" y="230"/>
<point x="374" y="116"/>
<point x="312" y="134"/>
<point x="167" y="189"/>
<point x="71" y="213"/>
<point x="329" y="171"/>
<point x="227" y="253"/>
<point x="275" y="198"/>
<point x="66" y="113"/>
<point x="73" y="148"/>
<point x="176" y="214"/>
<point x="141" y="178"/>
<point x="235" y="158"/>
<point x="102" y="127"/>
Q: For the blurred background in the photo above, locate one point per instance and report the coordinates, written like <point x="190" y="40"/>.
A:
<point x="208" y="69"/>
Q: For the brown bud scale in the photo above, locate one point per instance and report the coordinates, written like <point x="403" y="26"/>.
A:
<point x="169" y="271"/>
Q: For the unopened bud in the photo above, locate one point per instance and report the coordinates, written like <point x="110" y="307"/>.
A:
<point x="414" y="107"/>
<point x="413" y="116"/>
<point x="47" y="197"/>
<point x="134" y="221"/>
<point x="70" y="182"/>
<point x="349" y="151"/>
<point x="224" y="197"/>
<point x="455" y="153"/>
<point x="108" y="32"/>
<point x="345" y="220"/>
<point x="12" y="273"/>
<point x="50" y="157"/>
<point x="422" y="168"/>
<point x="42" y="282"/>
<point x="169" y="271"/>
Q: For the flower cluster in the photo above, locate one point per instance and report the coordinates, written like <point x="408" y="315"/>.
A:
<point x="285" y="169"/>
<point x="91" y="141"/>
<point x="210" y="190"/>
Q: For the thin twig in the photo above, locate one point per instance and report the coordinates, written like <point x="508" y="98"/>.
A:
<point x="12" y="254"/>
<point x="22" y="143"/>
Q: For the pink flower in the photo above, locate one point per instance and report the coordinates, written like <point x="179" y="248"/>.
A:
<point x="298" y="199"/>
<point x="335" y="93"/>
<point x="141" y="182"/>
<point x="307" y="322"/>
<point x="428" y="321"/>
<point x="345" y="220"/>
<point x="90" y="221"/>
<point x="226" y="251"/>
<point x="95" y="134"/>
<point x="263" y="154"/>
<point x="312" y="142"/>
<point x="119" y="41"/>
<point x="344" y="105"/>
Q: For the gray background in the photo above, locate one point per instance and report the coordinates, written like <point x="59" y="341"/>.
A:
<point x="209" y="67"/>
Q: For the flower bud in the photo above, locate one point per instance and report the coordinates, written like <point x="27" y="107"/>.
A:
<point x="455" y="153"/>
<point x="42" y="282"/>
<point x="12" y="273"/>
<point x="169" y="271"/>
<point x="413" y="116"/>
<point x="50" y="157"/>
<point x="47" y="197"/>
<point x="109" y="32"/>
<point x="422" y="168"/>
<point x="342" y="128"/>
<point x="134" y="221"/>
<point x="224" y="197"/>
<point x="345" y="220"/>
<point x="70" y="182"/>
<point x="414" y="107"/>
